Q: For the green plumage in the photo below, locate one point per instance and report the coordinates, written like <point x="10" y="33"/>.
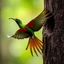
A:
<point x="40" y="20"/>
<point x="28" y="30"/>
<point x="32" y="26"/>
<point x="20" y="35"/>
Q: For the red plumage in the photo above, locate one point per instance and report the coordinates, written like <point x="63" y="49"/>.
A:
<point x="22" y="30"/>
<point x="30" y="24"/>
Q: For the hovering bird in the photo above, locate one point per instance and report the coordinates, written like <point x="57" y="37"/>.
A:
<point x="27" y="31"/>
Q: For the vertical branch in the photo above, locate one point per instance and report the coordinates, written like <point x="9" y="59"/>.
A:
<point x="53" y="52"/>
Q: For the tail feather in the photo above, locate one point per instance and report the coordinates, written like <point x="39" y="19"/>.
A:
<point x="39" y="44"/>
<point x="37" y="47"/>
<point x="35" y="44"/>
<point x="30" y="44"/>
<point x="31" y="47"/>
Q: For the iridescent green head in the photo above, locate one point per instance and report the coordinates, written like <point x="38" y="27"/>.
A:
<point x="18" y="22"/>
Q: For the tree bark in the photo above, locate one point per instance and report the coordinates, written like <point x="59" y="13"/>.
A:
<point x="53" y="33"/>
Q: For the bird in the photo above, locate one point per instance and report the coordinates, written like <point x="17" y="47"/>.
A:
<point x="28" y="31"/>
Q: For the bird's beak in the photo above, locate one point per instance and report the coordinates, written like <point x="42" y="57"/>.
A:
<point x="12" y="18"/>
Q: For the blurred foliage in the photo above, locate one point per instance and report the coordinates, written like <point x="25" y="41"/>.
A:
<point x="13" y="50"/>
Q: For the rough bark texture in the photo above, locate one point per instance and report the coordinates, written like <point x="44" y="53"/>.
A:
<point x="54" y="33"/>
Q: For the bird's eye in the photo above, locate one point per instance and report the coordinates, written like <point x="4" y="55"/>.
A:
<point x="16" y="19"/>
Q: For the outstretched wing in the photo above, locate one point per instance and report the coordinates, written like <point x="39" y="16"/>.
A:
<point x="39" y="21"/>
<point x="20" y="34"/>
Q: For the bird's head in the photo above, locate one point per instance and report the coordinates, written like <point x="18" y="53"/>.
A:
<point x="16" y="20"/>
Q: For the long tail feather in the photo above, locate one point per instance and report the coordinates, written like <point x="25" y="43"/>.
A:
<point x="28" y="44"/>
<point x="39" y="44"/>
<point x="35" y="44"/>
<point x="35" y="50"/>
<point x="37" y="47"/>
<point x="31" y="46"/>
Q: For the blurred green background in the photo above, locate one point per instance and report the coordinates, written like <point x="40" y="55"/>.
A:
<point x="12" y="51"/>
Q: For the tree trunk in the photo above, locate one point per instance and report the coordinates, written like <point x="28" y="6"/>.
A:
<point x="53" y="36"/>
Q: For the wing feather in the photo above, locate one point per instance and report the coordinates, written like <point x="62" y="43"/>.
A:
<point x="39" y="21"/>
<point x="20" y="35"/>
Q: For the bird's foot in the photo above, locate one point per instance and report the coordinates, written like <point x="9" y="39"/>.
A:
<point x="33" y="37"/>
